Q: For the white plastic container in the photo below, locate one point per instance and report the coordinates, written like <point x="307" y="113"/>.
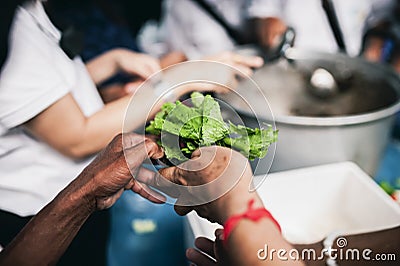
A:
<point x="316" y="202"/>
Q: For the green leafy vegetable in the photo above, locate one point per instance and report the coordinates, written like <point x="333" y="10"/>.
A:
<point x="182" y="129"/>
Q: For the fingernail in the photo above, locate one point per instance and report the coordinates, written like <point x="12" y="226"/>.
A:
<point x="128" y="88"/>
<point x="188" y="252"/>
<point x="220" y="234"/>
<point x="259" y="60"/>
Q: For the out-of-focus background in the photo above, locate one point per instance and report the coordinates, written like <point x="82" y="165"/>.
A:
<point x="331" y="76"/>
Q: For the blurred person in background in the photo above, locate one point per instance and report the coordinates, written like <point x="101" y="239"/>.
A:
<point x="381" y="42"/>
<point x="309" y="20"/>
<point x="203" y="27"/>
<point x="52" y="119"/>
<point x="370" y="28"/>
<point x="103" y="25"/>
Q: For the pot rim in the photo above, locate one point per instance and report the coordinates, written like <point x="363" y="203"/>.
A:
<point x="343" y="120"/>
<point x="338" y="120"/>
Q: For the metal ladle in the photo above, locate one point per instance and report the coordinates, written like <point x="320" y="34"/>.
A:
<point x="323" y="84"/>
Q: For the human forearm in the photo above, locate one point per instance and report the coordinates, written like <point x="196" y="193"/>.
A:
<point x="123" y="115"/>
<point x="235" y="202"/>
<point x="99" y="129"/>
<point x="104" y="66"/>
<point x="75" y="135"/>
<point x="248" y="237"/>
<point x="46" y="237"/>
<point x="108" y="64"/>
<point x="64" y="127"/>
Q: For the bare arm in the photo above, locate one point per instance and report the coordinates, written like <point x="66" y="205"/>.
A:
<point x="46" y="237"/>
<point x="57" y="223"/>
<point x="249" y="237"/>
<point x="64" y="127"/>
<point x="110" y="63"/>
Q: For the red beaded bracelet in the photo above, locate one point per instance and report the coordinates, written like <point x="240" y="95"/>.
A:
<point x="251" y="214"/>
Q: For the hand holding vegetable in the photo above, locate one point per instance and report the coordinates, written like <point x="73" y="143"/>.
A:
<point x="206" y="165"/>
<point x="183" y="129"/>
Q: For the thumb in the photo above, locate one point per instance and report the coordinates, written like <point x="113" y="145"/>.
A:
<point x="182" y="210"/>
<point x="219" y="243"/>
<point x="169" y="173"/>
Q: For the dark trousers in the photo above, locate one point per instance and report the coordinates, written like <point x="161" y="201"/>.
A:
<point x="88" y="247"/>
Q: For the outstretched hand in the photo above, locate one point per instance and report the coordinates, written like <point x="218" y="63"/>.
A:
<point x="269" y="31"/>
<point x="220" y="198"/>
<point x="118" y="168"/>
<point x="208" y="252"/>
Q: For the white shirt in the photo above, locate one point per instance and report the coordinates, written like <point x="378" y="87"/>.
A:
<point x="188" y="28"/>
<point x="36" y="74"/>
<point x="311" y="24"/>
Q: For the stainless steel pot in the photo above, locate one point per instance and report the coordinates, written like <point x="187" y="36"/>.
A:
<point x="353" y="125"/>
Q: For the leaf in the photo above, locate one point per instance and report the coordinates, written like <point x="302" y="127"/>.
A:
<point x="183" y="129"/>
<point x="214" y="127"/>
<point x="172" y="149"/>
<point x="183" y="121"/>
<point x="151" y="129"/>
<point x="253" y="143"/>
<point x="197" y="99"/>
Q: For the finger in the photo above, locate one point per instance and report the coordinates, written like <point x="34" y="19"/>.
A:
<point x="244" y="71"/>
<point x="145" y="176"/>
<point x="130" y="140"/>
<point x="169" y="173"/>
<point x="142" y="71"/>
<point x="154" y="65"/>
<point x="197" y="86"/>
<point x="135" y="155"/>
<point x="154" y="151"/>
<point x="205" y="245"/>
<point x="221" y="89"/>
<point x="249" y="61"/>
<point x="155" y="180"/>
<point x="148" y="193"/>
<point x="151" y="178"/>
<point x="132" y="87"/>
<point x="219" y="246"/>
<point x="182" y="210"/>
<point x="199" y="258"/>
<point x="148" y="66"/>
<point x="219" y="233"/>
